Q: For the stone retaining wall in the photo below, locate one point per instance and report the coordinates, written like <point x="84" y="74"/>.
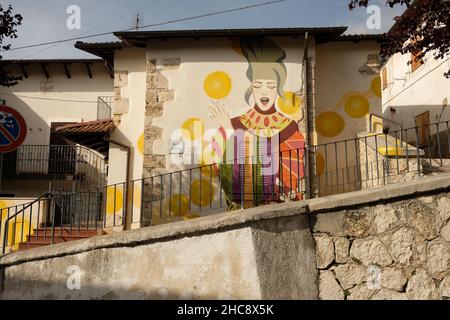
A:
<point x="395" y="250"/>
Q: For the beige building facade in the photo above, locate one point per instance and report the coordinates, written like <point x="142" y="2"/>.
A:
<point x="416" y="94"/>
<point x="176" y="93"/>
<point x="54" y="93"/>
<point x="207" y="121"/>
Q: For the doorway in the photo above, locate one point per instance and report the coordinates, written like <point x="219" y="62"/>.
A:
<point x="423" y="126"/>
<point x="62" y="155"/>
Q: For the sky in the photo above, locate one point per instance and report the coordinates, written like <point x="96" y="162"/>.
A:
<point x="45" y="20"/>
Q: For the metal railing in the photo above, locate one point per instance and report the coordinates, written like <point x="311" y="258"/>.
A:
<point x="56" y="163"/>
<point x="65" y="215"/>
<point x="104" y="106"/>
<point x="370" y="160"/>
<point x="21" y="220"/>
<point x="371" y="115"/>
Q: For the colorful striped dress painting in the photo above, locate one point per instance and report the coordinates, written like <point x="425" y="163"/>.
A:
<point x="262" y="161"/>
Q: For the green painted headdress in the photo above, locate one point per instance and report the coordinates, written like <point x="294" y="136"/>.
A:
<point x="265" y="60"/>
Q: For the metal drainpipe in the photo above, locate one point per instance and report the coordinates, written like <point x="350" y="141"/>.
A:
<point x="308" y="140"/>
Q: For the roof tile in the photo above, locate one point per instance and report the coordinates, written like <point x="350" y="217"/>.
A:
<point x="99" y="126"/>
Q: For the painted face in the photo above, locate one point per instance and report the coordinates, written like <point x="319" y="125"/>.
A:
<point x="264" y="93"/>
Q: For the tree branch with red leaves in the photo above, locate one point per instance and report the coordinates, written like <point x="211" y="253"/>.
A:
<point x="8" y="29"/>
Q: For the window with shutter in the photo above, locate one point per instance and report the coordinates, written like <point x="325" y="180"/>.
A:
<point x="416" y="62"/>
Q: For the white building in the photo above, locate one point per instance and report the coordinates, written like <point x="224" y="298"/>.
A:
<point x="54" y="93"/>
<point x="416" y="95"/>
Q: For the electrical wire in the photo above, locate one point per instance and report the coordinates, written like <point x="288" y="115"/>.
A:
<point x="97" y="27"/>
<point x="149" y="25"/>
<point x="47" y="99"/>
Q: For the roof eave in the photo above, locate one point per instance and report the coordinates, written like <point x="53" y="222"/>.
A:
<point x="363" y="37"/>
<point x="104" y="50"/>
<point x="48" y="61"/>
<point x="139" y="38"/>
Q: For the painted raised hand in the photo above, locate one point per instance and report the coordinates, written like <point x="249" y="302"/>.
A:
<point x="218" y="111"/>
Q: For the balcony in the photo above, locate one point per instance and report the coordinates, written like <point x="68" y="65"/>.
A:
<point x="55" y="162"/>
<point x="104" y="106"/>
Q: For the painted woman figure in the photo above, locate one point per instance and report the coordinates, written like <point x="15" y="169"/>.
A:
<point x="261" y="133"/>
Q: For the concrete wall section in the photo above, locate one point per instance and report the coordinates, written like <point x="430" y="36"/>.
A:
<point x="219" y="266"/>
<point x="234" y="256"/>
<point x="285" y="259"/>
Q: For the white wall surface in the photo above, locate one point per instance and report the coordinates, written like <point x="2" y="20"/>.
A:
<point x="412" y="93"/>
<point x="42" y="101"/>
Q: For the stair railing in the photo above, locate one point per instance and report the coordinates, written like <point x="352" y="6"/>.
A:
<point x="23" y="215"/>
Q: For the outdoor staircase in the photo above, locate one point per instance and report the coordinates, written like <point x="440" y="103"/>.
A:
<point x="43" y="236"/>
<point x="392" y="147"/>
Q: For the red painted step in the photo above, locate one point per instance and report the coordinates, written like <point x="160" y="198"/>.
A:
<point x="65" y="232"/>
<point x="65" y="235"/>
<point x="43" y="237"/>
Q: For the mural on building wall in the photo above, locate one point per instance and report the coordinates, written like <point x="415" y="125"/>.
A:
<point x="270" y="108"/>
<point x="267" y="124"/>
<point x="260" y="132"/>
<point x="331" y="124"/>
<point x="255" y="100"/>
<point x="336" y="163"/>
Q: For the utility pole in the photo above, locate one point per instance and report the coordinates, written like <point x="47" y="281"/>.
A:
<point x="137" y="22"/>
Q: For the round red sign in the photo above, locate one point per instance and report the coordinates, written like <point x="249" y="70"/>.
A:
<point x="13" y="129"/>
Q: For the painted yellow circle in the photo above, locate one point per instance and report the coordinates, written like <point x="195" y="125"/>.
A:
<point x="208" y="172"/>
<point x="329" y="124"/>
<point x="217" y="85"/>
<point x="192" y="129"/>
<point x="4" y="213"/>
<point x="290" y="103"/>
<point x="376" y="86"/>
<point x="175" y="208"/>
<point x="208" y="160"/>
<point x="110" y="200"/>
<point x="202" y="192"/>
<point x="320" y="163"/>
<point x="140" y="144"/>
<point x="356" y="106"/>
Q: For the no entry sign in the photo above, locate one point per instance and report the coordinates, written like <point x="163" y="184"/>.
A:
<point x="13" y="129"/>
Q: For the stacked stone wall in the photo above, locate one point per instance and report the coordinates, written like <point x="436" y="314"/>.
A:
<point x="395" y="250"/>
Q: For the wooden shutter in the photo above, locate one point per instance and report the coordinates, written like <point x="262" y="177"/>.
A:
<point x="416" y="62"/>
<point x="423" y="124"/>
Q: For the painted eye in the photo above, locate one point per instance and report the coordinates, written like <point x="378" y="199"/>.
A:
<point x="271" y="85"/>
<point x="257" y="85"/>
